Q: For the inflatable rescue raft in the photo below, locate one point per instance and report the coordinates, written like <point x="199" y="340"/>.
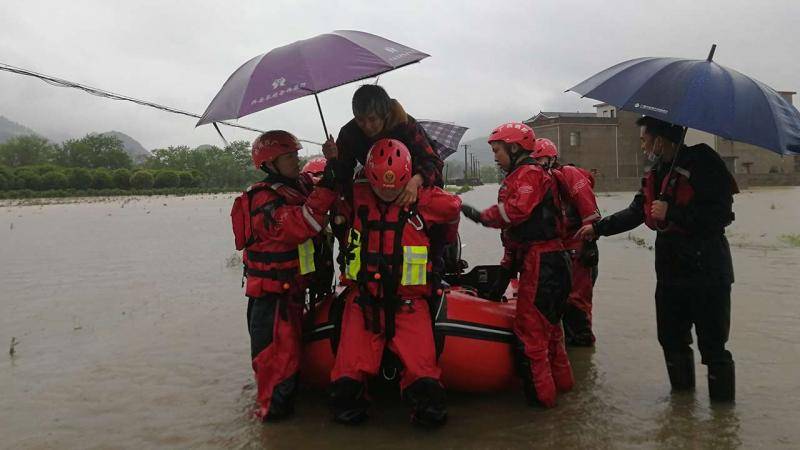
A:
<point x="473" y="335"/>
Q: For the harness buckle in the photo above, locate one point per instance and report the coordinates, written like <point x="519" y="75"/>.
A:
<point x="418" y="225"/>
<point x="387" y="377"/>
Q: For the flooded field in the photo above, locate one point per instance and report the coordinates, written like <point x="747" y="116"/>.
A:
<point x="126" y="321"/>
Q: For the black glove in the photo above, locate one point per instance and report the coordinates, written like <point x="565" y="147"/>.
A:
<point x="500" y="285"/>
<point x="471" y="213"/>
<point x="332" y="174"/>
<point x="589" y="254"/>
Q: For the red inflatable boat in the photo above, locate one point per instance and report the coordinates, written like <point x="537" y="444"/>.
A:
<point x="473" y="336"/>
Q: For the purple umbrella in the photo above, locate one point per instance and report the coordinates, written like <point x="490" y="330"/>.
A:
<point x="306" y="67"/>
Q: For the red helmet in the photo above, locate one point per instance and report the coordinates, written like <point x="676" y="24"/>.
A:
<point x="545" y="148"/>
<point x="514" y="133"/>
<point x="315" y="166"/>
<point x="388" y="164"/>
<point x="272" y="144"/>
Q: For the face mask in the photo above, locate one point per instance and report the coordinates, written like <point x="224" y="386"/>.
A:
<point x="651" y="155"/>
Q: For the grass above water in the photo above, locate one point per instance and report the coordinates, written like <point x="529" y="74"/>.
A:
<point x="792" y="239"/>
<point x="458" y="189"/>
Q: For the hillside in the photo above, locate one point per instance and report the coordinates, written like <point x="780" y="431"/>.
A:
<point x="10" y="129"/>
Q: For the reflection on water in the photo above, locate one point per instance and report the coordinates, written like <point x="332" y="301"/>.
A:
<point x="130" y="330"/>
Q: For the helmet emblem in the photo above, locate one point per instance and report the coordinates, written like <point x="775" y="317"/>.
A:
<point x="388" y="177"/>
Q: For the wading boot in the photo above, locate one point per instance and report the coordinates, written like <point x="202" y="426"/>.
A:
<point x="348" y="402"/>
<point x="722" y="382"/>
<point x="680" y="367"/>
<point x="426" y="398"/>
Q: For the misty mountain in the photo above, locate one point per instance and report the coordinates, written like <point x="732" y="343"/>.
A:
<point x="10" y="129"/>
<point x="132" y="147"/>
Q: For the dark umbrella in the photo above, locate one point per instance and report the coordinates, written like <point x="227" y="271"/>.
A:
<point x="304" y="68"/>
<point x="700" y="94"/>
<point x="444" y="136"/>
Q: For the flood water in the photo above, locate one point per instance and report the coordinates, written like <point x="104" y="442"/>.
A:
<point x="129" y="332"/>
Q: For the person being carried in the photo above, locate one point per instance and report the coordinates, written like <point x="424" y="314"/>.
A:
<point x="277" y="223"/>
<point x="528" y="212"/>
<point x="377" y="116"/>
<point x="687" y="198"/>
<point x="388" y="278"/>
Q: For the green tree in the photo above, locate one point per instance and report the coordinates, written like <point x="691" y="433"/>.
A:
<point x="30" y="179"/>
<point x="80" y="178"/>
<point x="142" y="180"/>
<point x="211" y="166"/>
<point x="187" y="179"/>
<point x="490" y="174"/>
<point x="167" y="179"/>
<point x="6" y="178"/>
<point x="94" y="151"/>
<point x="102" y="179"/>
<point x="54" y="180"/>
<point x="122" y="178"/>
<point x="199" y="178"/>
<point x="26" y="151"/>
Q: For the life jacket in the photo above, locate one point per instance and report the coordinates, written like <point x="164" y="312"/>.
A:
<point x="676" y="188"/>
<point x="386" y="256"/>
<point x="270" y="267"/>
<point x="574" y="184"/>
<point x="546" y="220"/>
<point x="386" y="240"/>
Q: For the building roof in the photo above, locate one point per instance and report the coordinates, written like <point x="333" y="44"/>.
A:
<point x="556" y="114"/>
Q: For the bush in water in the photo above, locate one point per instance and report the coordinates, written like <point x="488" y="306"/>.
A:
<point x="121" y="178"/>
<point x="187" y="179"/>
<point x="80" y="178"/>
<point x="30" y="179"/>
<point x="102" y="179"/>
<point x="42" y="169"/>
<point x="54" y="180"/>
<point x="142" y="180"/>
<point x="167" y="179"/>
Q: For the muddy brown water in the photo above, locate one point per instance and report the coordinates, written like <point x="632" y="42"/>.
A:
<point x="128" y="322"/>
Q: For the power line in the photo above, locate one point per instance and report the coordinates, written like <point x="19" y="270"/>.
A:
<point x="113" y="96"/>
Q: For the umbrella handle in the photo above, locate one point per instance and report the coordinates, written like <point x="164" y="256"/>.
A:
<point x="324" y="127"/>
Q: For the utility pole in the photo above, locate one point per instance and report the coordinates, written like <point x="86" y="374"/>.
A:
<point x="466" y="147"/>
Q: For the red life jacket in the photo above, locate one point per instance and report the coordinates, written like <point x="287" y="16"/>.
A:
<point x="268" y="265"/>
<point x="387" y="247"/>
<point x="676" y="190"/>
<point x="546" y="221"/>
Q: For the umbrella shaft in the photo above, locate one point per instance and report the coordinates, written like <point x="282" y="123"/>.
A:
<point x="324" y="127"/>
<point x="674" y="158"/>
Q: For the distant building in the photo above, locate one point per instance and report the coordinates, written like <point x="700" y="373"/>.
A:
<point x="607" y="141"/>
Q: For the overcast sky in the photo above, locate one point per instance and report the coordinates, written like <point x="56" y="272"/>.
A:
<point x="492" y="61"/>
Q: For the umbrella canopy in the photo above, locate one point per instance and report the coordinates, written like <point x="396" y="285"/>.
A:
<point x="304" y="68"/>
<point x="700" y="94"/>
<point x="444" y="136"/>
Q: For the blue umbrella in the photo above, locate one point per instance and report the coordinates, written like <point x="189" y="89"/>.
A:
<point x="700" y="94"/>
